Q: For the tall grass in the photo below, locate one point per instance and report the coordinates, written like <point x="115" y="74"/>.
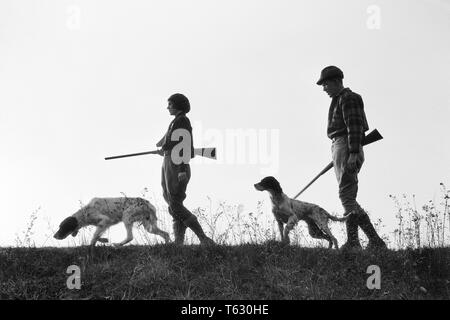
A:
<point x="232" y="224"/>
<point x="425" y="226"/>
<point x="25" y="238"/>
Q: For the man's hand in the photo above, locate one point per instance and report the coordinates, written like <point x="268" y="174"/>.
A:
<point x="182" y="177"/>
<point x="353" y="162"/>
<point x="161" y="152"/>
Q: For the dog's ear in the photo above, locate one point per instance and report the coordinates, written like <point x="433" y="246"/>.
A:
<point x="69" y="225"/>
<point x="271" y="182"/>
<point x="277" y="186"/>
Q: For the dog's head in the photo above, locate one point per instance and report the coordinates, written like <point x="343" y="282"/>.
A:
<point x="267" y="184"/>
<point x="67" y="226"/>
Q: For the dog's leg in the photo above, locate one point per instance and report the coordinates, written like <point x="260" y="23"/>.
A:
<point x="153" y="228"/>
<point x="316" y="233"/>
<point x="98" y="232"/>
<point x="323" y="225"/>
<point x="281" y="229"/>
<point x="289" y="226"/>
<point x="129" y="228"/>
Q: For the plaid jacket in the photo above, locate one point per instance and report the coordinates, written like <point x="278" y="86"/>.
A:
<point x="346" y="116"/>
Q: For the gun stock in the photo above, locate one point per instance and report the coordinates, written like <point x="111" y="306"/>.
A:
<point x="206" y="152"/>
<point x="372" y="137"/>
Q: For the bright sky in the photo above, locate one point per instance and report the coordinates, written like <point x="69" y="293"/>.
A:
<point x="82" y="80"/>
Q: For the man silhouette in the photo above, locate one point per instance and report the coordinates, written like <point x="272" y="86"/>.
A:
<point x="347" y="125"/>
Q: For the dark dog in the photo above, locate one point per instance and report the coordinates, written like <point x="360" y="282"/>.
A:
<point x="288" y="211"/>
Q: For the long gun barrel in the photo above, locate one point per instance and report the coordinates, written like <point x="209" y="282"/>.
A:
<point x="203" y="152"/>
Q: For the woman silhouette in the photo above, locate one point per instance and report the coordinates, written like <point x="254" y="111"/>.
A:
<point x="176" y="170"/>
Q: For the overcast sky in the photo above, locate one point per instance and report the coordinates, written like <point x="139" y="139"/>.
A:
<point x="82" y="80"/>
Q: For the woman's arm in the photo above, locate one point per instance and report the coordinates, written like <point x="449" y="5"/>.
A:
<point x="180" y="123"/>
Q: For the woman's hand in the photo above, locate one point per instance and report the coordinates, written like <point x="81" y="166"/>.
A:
<point x="161" y="142"/>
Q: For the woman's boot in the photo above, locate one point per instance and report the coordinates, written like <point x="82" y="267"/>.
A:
<point x="192" y="223"/>
<point x="179" y="230"/>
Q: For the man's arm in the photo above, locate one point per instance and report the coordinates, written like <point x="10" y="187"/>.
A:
<point x="352" y="112"/>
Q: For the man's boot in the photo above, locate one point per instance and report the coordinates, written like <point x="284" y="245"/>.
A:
<point x="192" y="223"/>
<point x="375" y="242"/>
<point x="352" y="234"/>
<point x="179" y="230"/>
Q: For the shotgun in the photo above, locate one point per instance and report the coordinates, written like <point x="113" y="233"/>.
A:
<point x="370" y="138"/>
<point x="203" y="152"/>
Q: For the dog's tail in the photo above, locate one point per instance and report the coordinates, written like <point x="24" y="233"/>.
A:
<point x="331" y="217"/>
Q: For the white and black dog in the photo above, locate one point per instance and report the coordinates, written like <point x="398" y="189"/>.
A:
<point x="105" y="212"/>
<point x="289" y="211"/>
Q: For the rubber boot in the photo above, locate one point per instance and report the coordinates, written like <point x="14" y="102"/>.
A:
<point x="352" y="234"/>
<point x="375" y="242"/>
<point x="179" y="230"/>
<point x="192" y="223"/>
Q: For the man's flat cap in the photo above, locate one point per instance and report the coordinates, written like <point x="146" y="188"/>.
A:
<point x="330" y="72"/>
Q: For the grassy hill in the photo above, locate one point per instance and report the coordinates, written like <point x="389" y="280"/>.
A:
<point x="267" y="271"/>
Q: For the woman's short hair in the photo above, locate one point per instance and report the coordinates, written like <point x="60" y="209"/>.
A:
<point x="180" y="102"/>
